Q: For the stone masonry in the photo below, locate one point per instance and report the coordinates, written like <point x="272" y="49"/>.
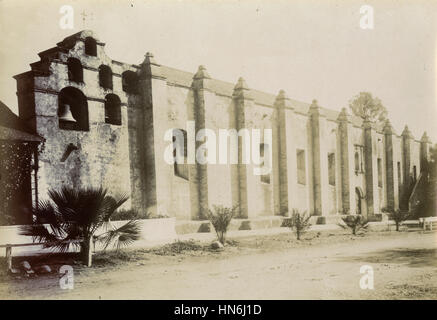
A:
<point x="323" y="161"/>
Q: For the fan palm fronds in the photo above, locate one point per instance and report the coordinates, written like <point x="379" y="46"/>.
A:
<point x="355" y="223"/>
<point x="220" y="217"/>
<point x="77" y="215"/>
<point x="121" y="236"/>
<point x="299" y="222"/>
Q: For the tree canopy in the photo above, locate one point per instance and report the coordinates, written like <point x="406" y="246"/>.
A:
<point x="365" y="105"/>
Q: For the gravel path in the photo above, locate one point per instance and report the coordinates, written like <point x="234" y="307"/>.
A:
<point x="404" y="264"/>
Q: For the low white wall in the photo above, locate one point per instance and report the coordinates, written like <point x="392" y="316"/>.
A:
<point x="153" y="232"/>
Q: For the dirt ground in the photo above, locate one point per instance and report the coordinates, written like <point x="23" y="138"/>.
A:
<point x="321" y="266"/>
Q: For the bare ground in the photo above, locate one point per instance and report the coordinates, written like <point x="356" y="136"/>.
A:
<point x="322" y="266"/>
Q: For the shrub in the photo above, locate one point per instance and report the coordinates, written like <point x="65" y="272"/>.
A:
<point x="178" y="247"/>
<point x="129" y="214"/>
<point x="398" y="217"/>
<point x="355" y="223"/>
<point x="73" y="214"/>
<point x="299" y="222"/>
<point x="220" y="217"/>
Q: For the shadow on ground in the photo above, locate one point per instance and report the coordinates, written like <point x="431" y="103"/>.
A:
<point x="415" y="258"/>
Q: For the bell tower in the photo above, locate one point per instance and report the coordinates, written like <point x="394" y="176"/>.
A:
<point x="65" y="114"/>
<point x="76" y="98"/>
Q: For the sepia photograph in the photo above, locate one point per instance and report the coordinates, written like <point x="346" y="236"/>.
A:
<point x="192" y="150"/>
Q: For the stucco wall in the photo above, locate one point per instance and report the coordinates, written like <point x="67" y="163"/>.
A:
<point x="130" y="158"/>
<point x="359" y="177"/>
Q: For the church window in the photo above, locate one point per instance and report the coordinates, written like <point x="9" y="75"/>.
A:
<point x="129" y="81"/>
<point x="301" y="174"/>
<point x="72" y="110"/>
<point x="90" y="46"/>
<point x="112" y="109"/>
<point x="105" y="77"/>
<point x="331" y="168"/>
<point x="264" y="154"/>
<point x="75" y="70"/>
<point x="180" y="153"/>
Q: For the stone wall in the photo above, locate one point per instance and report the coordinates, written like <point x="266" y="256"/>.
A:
<point x="369" y="164"/>
<point x="101" y="154"/>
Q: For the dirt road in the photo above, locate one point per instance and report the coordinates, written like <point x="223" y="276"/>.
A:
<point x="405" y="267"/>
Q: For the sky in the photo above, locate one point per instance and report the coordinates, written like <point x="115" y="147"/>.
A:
<point x="312" y="49"/>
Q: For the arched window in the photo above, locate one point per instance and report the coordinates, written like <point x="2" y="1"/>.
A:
<point x="357" y="162"/>
<point x="379" y="169"/>
<point x="264" y="155"/>
<point x="331" y="169"/>
<point x="399" y="175"/>
<point x="129" y="81"/>
<point x="72" y="110"/>
<point x="112" y="109"/>
<point x="90" y="46"/>
<point x="301" y="170"/>
<point x="105" y="77"/>
<point x="180" y="153"/>
<point x="75" y="70"/>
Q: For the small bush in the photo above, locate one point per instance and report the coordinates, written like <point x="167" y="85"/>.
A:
<point x="81" y="215"/>
<point x="298" y="222"/>
<point x="129" y="215"/>
<point x="398" y="217"/>
<point x="354" y="223"/>
<point x="178" y="247"/>
<point x="220" y="218"/>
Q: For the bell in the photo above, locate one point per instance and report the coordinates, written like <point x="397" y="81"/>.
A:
<point x="66" y="114"/>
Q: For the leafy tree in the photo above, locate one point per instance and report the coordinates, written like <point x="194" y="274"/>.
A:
<point x="398" y="217"/>
<point x="365" y="105"/>
<point x="220" y="218"/>
<point x="299" y="222"/>
<point x="78" y="215"/>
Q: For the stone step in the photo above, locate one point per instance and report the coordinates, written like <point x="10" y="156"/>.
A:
<point x="334" y="219"/>
<point x="204" y="226"/>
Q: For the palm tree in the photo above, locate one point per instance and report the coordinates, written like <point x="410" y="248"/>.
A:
<point x="220" y="217"/>
<point x="300" y="222"/>
<point x="355" y="223"/>
<point x="72" y="218"/>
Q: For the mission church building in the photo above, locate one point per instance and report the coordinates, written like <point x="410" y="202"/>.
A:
<point x="104" y="123"/>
